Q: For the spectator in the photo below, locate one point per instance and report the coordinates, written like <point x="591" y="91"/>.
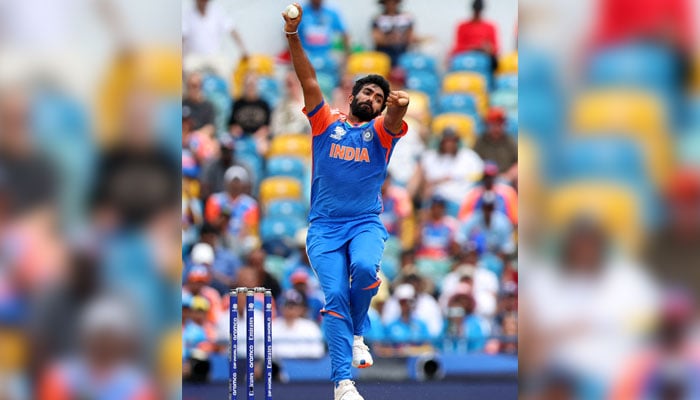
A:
<point x="197" y="284"/>
<point x="408" y="328"/>
<point x="296" y="336"/>
<point x="287" y="116"/>
<point x="239" y="209"/>
<point x="397" y="207"/>
<point x="436" y="233"/>
<point x="426" y="308"/>
<point x="212" y="177"/>
<point x="490" y="227"/>
<point x="204" y="26"/>
<point x="319" y="28"/>
<point x="200" y="311"/>
<point x="222" y="263"/>
<point x="392" y="31"/>
<point x="250" y="115"/>
<point x="314" y="297"/>
<point x="476" y="35"/>
<point x="506" y="196"/>
<point x="299" y="261"/>
<point x="449" y="171"/>
<point x="197" y="107"/>
<point x="496" y="144"/>
<point x="483" y="283"/>
<point x="465" y="330"/>
<point x="255" y="268"/>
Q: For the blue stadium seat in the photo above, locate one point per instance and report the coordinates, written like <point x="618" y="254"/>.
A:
<point x="279" y="228"/>
<point x="269" y="91"/>
<point x="286" y="209"/>
<point x="423" y="81"/>
<point x="612" y="159"/>
<point x="323" y="64"/>
<point x="507" y="82"/>
<point x="286" y="166"/>
<point x="641" y="65"/>
<point x="413" y="62"/>
<point x="458" y="103"/>
<point x="471" y="61"/>
<point x="216" y="90"/>
<point x="506" y="99"/>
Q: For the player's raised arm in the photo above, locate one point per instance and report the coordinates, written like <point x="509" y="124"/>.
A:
<point x="396" y="106"/>
<point x="302" y="66"/>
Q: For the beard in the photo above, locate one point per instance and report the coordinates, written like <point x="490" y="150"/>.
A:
<point x="363" y="111"/>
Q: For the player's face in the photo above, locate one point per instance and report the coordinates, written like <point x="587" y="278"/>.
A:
<point x="368" y="102"/>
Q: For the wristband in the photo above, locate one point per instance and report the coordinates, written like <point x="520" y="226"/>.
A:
<point x="292" y="33"/>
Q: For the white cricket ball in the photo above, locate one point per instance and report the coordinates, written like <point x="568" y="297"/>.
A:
<point x="292" y="11"/>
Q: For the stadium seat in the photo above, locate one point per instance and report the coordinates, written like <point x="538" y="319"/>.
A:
<point x="269" y="91"/>
<point x="369" y="62"/>
<point x="413" y="61"/>
<point x="278" y="188"/>
<point x="327" y="82"/>
<point x="458" y="103"/>
<point x="506" y="99"/>
<point x="468" y="82"/>
<point x="259" y="64"/>
<point x="615" y="207"/>
<point x="216" y="90"/>
<point x="295" y="145"/>
<point x="508" y="64"/>
<point x="464" y="82"/>
<point x="629" y="113"/>
<point x="639" y="65"/>
<point x="474" y="61"/>
<point x="507" y="82"/>
<point x="419" y="107"/>
<point x="434" y="270"/>
<point x="286" y="208"/>
<point x="463" y="124"/>
<point x="424" y="81"/>
<point x="286" y="166"/>
<point x="324" y="64"/>
<point x="275" y="265"/>
<point x="273" y="228"/>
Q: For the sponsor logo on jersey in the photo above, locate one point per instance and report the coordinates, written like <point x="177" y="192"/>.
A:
<point x="338" y="132"/>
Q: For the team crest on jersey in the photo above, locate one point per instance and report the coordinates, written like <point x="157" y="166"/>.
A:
<point x="338" y="133"/>
<point x="367" y="135"/>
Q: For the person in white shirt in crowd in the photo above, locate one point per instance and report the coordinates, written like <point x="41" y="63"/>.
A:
<point x="483" y="282"/>
<point x="295" y="336"/>
<point x="204" y="27"/>
<point x="426" y="309"/>
<point x="287" y="117"/>
<point x="449" y="171"/>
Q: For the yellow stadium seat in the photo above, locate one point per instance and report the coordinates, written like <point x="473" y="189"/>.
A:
<point x="463" y="124"/>
<point x="158" y="70"/>
<point x="419" y="107"/>
<point x="258" y="64"/>
<point x="369" y="62"/>
<point x="615" y="207"/>
<point x="464" y="82"/>
<point x="278" y="187"/>
<point x="508" y="64"/>
<point x="170" y="356"/>
<point x="297" y="145"/>
<point x="630" y="113"/>
<point x="14" y="350"/>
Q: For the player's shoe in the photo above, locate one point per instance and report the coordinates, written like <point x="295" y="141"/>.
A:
<point x="361" y="357"/>
<point x="346" y="391"/>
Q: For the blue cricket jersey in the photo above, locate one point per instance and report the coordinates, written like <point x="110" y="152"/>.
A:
<point x="349" y="164"/>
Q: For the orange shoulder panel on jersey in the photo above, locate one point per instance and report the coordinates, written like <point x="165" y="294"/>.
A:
<point x="320" y="118"/>
<point x="386" y="138"/>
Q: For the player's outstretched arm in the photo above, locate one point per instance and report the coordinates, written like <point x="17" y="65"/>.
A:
<point x="302" y="66"/>
<point x="396" y="106"/>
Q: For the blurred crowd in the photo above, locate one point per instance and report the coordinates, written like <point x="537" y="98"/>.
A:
<point x="449" y="272"/>
<point x="89" y="269"/>
<point x="609" y="166"/>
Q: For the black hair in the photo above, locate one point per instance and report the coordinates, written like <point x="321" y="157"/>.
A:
<point x="372" y="79"/>
<point x="208" y="228"/>
<point x="478" y="6"/>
